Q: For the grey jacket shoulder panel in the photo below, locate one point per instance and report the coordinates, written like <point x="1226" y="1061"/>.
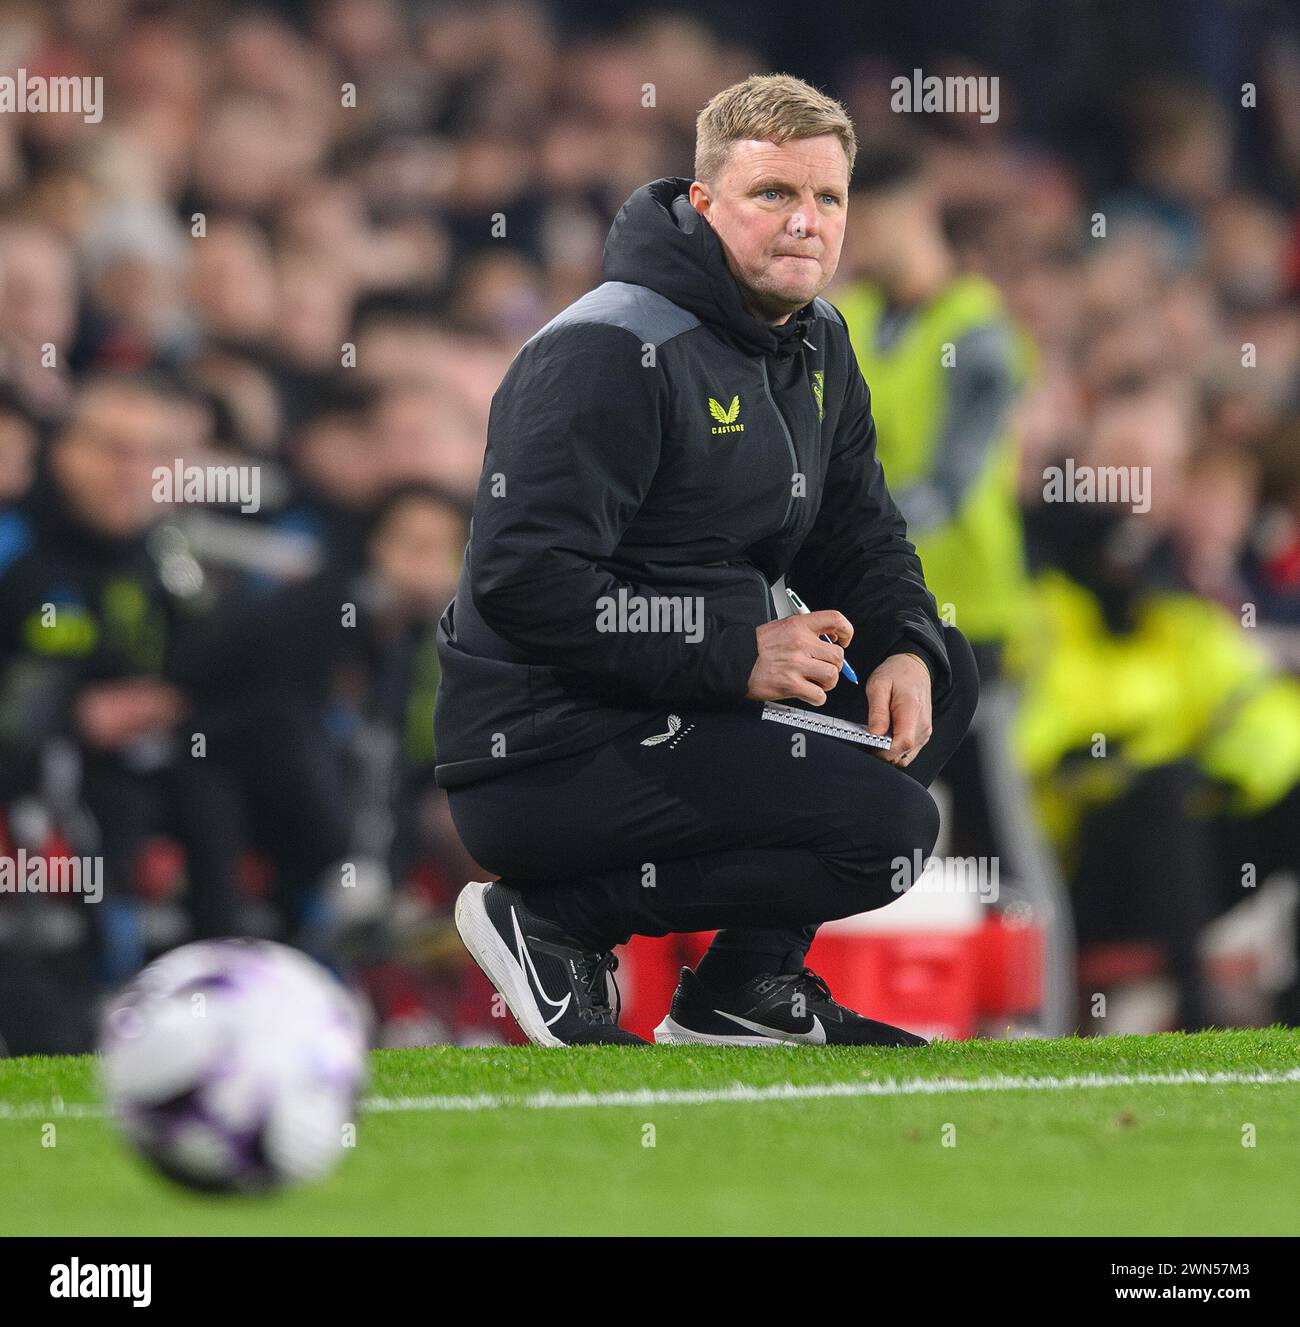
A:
<point x="645" y="313"/>
<point x="825" y="309"/>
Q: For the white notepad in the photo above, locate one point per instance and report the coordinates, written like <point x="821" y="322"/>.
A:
<point x="845" y="729"/>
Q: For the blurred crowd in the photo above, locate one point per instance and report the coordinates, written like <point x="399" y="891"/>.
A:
<point x="309" y="238"/>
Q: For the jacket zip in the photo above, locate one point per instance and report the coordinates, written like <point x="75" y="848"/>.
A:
<point x="789" y="442"/>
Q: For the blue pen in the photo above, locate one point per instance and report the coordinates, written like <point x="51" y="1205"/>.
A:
<point x="800" y="607"/>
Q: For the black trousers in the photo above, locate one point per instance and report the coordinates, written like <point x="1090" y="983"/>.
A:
<point x="753" y="828"/>
<point x="196" y="800"/>
<point x="1154" y="867"/>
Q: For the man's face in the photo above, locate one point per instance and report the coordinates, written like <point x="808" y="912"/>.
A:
<point x="418" y="553"/>
<point x="104" y="463"/>
<point x="17" y="456"/>
<point x="885" y="223"/>
<point x="779" y="212"/>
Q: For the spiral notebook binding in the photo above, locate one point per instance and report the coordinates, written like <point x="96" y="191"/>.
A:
<point x="845" y="729"/>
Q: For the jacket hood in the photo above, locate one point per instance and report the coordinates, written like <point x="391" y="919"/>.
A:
<point x="659" y="240"/>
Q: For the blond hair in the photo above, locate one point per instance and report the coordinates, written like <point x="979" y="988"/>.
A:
<point x="772" y="107"/>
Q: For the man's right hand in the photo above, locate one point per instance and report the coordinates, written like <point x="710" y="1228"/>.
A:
<point x="110" y="715"/>
<point x="793" y="664"/>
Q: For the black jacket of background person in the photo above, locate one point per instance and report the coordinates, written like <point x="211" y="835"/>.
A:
<point x="115" y="617"/>
<point x="608" y="467"/>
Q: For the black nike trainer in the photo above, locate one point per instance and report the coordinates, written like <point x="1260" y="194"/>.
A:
<point x="557" y="989"/>
<point x="782" y="1009"/>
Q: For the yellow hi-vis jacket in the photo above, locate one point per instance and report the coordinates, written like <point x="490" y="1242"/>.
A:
<point x="1188" y="683"/>
<point x="974" y="560"/>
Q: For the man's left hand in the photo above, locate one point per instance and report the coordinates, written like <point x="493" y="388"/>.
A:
<point x="899" y="691"/>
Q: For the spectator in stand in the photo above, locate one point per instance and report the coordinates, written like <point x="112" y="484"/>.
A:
<point x="1272" y="562"/>
<point x="463" y="199"/>
<point x="351" y="675"/>
<point x="427" y="433"/>
<point x="19" y="438"/>
<point x="104" y="642"/>
<point x="38" y="314"/>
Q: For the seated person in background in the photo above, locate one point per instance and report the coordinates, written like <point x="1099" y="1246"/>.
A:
<point x="1272" y="560"/>
<point x="336" y="477"/>
<point x="19" y="437"/>
<point x="1164" y="745"/>
<point x="105" y="639"/>
<point x="342" y="764"/>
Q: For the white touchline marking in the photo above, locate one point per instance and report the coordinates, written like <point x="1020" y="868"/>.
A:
<point x="57" y="1110"/>
<point x="808" y="1091"/>
<point x="742" y="1092"/>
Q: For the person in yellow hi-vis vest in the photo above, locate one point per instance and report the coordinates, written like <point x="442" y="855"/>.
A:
<point x="1164" y="749"/>
<point x="943" y="363"/>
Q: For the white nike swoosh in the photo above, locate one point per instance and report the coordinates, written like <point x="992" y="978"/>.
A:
<point x="815" y="1036"/>
<point x="526" y="958"/>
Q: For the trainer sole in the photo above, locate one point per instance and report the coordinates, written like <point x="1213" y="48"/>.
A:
<point x="499" y="965"/>
<point x="672" y="1033"/>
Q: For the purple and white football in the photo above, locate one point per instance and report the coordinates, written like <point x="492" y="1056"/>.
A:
<point x="235" y="1065"/>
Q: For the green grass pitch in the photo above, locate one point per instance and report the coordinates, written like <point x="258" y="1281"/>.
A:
<point x="801" y="1141"/>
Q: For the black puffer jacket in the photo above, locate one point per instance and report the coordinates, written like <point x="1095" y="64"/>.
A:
<point x="656" y="447"/>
